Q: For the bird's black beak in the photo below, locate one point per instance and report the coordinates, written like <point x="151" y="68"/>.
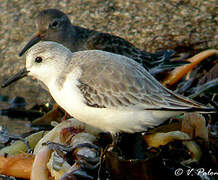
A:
<point x="16" y="77"/>
<point x="36" y="38"/>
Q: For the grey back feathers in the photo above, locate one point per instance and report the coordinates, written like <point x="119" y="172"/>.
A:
<point x="110" y="80"/>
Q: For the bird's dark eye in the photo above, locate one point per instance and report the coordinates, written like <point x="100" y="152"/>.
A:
<point x="54" y="24"/>
<point x="38" y="59"/>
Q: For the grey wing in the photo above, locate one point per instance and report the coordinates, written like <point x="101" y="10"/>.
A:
<point x="120" y="82"/>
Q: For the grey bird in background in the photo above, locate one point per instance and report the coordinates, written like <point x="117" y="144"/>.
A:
<point x="105" y="90"/>
<point x="54" y="25"/>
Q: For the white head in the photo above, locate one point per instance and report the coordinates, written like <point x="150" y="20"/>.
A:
<point x="46" y="60"/>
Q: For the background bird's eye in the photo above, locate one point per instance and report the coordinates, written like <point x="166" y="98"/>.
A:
<point x="38" y="59"/>
<point x="54" y="24"/>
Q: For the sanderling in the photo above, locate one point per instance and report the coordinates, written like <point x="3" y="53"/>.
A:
<point x="105" y="90"/>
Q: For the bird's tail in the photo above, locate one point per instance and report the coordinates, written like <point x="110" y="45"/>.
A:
<point x="151" y="60"/>
<point x="186" y="109"/>
<point x="160" y="61"/>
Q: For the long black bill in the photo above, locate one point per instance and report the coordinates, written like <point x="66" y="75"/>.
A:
<point x="36" y="38"/>
<point x="16" y="77"/>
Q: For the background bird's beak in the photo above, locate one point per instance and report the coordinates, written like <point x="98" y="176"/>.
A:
<point x="36" y="38"/>
<point x="16" y="77"/>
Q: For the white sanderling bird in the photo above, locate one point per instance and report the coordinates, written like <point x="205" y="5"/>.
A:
<point x="105" y="90"/>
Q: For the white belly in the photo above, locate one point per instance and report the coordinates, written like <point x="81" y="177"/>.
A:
<point x="108" y="119"/>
